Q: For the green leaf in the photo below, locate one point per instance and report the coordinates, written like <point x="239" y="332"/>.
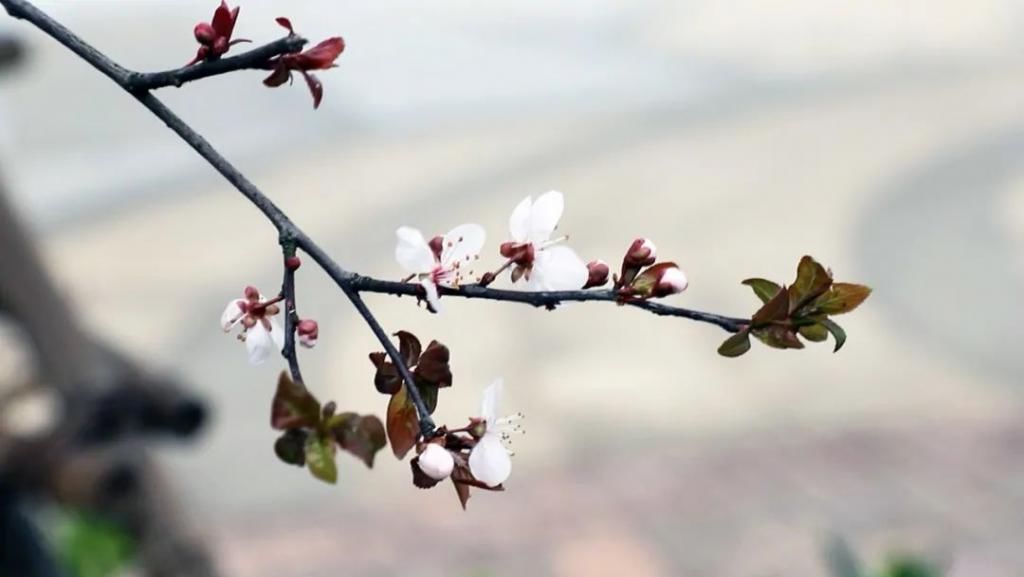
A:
<point x="735" y="345"/>
<point x="815" y="333"/>
<point x="293" y="406"/>
<point x="320" y="458"/>
<point x="812" y="280"/>
<point x="837" y="333"/>
<point x="89" y="546"/>
<point x="764" y="289"/>
<point x="841" y="298"/>
<point x="291" y="447"/>
<point x="403" y="425"/>
<point x="910" y="566"/>
<point x="778" y="337"/>
<point x="776" y="309"/>
<point x="842" y="562"/>
<point x="361" y="436"/>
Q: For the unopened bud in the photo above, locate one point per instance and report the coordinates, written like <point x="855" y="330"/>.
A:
<point x="660" y="280"/>
<point x="308" y="331"/>
<point x="220" y="46"/>
<point x="641" y="253"/>
<point x="205" y="34"/>
<point x="597" y="274"/>
<point x="436" y="462"/>
<point x="251" y="293"/>
<point x="292" y="262"/>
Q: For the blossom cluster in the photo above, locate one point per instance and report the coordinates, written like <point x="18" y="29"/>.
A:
<point x="536" y="258"/>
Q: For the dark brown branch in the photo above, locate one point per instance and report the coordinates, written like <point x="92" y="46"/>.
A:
<point x="255" y="59"/>
<point x="291" y="315"/>
<point x="546" y="299"/>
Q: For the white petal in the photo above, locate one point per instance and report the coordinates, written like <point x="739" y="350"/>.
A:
<point x="490" y="462"/>
<point x="231" y="315"/>
<point x="492" y="398"/>
<point x="544" y="216"/>
<point x="412" y="252"/>
<point x="558" y="268"/>
<point x="519" y="222"/>
<point x="432" y="296"/>
<point x="277" y="333"/>
<point x="436" y="462"/>
<point x="259" y="343"/>
<point x="462" y="243"/>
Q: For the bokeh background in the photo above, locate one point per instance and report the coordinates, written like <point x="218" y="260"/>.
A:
<point x="882" y="137"/>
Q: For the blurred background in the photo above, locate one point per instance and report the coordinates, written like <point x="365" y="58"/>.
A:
<point x="883" y="138"/>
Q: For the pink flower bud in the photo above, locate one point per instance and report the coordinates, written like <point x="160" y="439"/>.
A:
<point x="673" y="280"/>
<point x="205" y="34"/>
<point x="660" y="280"/>
<point x="597" y="274"/>
<point x="308" y="331"/>
<point x="436" y="462"/>
<point x="252" y="293"/>
<point x="292" y="262"/>
<point x="641" y="253"/>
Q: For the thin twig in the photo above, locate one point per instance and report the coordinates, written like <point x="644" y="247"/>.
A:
<point x="254" y="59"/>
<point x="291" y="314"/>
<point x="546" y="299"/>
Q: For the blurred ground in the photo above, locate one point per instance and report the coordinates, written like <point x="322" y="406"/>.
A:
<point x="881" y="138"/>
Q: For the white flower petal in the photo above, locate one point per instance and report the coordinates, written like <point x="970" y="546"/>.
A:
<point x="519" y="222"/>
<point x="492" y="398"/>
<point x="544" y="216"/>
<point x="558" y="268"/>
<point x="412" y="252"/>
<point x="436" y="462"/>
<point x="259" y="344"/>
<point x="277" y="333"/>
<point x="231" y="315"/>
<point x="432" y="296"/>
<point x="490" y="462"/>
<point x="462" y="243"/>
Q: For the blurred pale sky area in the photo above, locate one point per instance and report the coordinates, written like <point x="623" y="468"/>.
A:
<point x="883" y="137"/>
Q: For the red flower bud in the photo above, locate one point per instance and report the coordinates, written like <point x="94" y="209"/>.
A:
<point x="205" y="34"/>
<point x="597" y="272"/>
<point x="641" y="253"/>
<point x="292" y="262"/>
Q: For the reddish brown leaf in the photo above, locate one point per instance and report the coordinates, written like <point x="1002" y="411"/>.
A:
<point x="285" y="23"/>
<point x="403" y="425"/>
<point x="777" y="309"/>
<point x="812" y="280"/>
<point x="409" y="346"/>
<point x="778" y="337"/>
<point x="293" y="405"/>
<point x="433" y="367"/>
<point x="361" y="436"/>
<point x="841" y="298"/>
<point x="279" y="76"/>
<point x="291" y="447"/>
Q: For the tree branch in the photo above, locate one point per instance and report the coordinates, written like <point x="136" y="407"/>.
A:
<point x="292" y="236"/>
<point x="255" y="59"/>
<point x="546" y="299"/>
<point x="291" y="315"/>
